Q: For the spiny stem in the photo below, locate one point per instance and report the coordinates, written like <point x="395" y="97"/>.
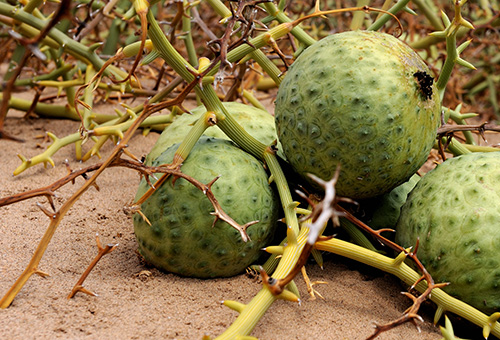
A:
<point x="256" y="308"/>
<point x="409" y="276"/>
<point x="57" y="217"/>
<point x="452" y="57"/>
<point x="101" y="251"/>
<point x="387" y="16"/>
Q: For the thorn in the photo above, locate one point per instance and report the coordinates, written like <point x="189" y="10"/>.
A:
<point x="465" y="23"/>
<point x="288" y="296"/>
<point x="234" y="305"/>
<point x="52" y="136"/>
<point x="438" y="314"/>
<point x="23" y="159"/>
<point x="209" y="185"/>
<point x="80" y="288"/>
<point x="144" y="217"/>
<point x="409" y="10"/>
<point x="41" y="273"/>
<point x="276" y="250"/>
<point x="464" y="63"/>
<point x="460" y="49"/>
<point x="491" y="320"/>
<point x="50" y="214"/>
<point x="51" y="200"/>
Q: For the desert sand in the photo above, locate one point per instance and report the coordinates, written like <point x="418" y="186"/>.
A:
<point x="136" y="301"/>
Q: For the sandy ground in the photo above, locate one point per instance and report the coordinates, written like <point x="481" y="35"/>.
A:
<point x="138" y="302"/>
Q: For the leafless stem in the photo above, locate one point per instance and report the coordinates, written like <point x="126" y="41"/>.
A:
<point x="450" y="128"/>
<point x="410" y="315"/>
<point x="322" y="212"/>
<point x="101" y="252"/>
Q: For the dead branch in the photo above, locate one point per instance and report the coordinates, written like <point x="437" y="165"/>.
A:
<point x="450" y="128"/>
<point x="100" y="253"/>
<point x="56" y="218"/>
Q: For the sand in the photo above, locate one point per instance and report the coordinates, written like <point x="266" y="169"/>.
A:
<point x="136" y="301"/>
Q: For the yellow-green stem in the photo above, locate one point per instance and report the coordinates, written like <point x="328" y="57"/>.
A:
<point x="194" y="134"/>
<point x="255" y="309"/>
<point x="409" y="276"/>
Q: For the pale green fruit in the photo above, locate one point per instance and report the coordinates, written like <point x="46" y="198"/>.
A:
<point x="454" y="211"/>
<point x="182" y="238"/>
<point x="365" y="100"/>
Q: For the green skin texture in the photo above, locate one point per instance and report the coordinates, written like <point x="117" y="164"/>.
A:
<point x="181" y="238"/>
<point x="383" y="211"/>
<point x="352" y="98"/>
<point x="454" y="210"/>
<point x="257" y="122"/>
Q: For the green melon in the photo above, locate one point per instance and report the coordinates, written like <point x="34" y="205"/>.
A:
<point x="365" y="100"/>
<point x="454" y="211"/>
<point x="182" y="238"/>
<point x="258" y="123"/>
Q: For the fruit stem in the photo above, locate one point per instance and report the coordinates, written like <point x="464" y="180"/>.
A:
<point x="281" y="182"/>
<point x="256" y="308"/>
<point x="207" y="94"/>
<point x="386" y="17"/>
<point x="409" y="276"/>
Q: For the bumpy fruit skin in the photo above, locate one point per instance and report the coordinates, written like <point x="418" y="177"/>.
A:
<point x="383" y="211"/>
<point x="181" y="238"/>
<point x="455" y="212"/>
<point x="362" y="99"/>
<point x="257" y="122"/>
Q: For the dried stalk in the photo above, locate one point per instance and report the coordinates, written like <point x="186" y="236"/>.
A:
<point x="57" y="216"/>
<point x="101" y="252"/>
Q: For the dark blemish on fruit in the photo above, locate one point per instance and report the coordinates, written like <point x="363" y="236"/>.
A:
<point x="425" y="82"/>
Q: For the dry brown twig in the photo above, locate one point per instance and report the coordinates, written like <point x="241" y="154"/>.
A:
<point x="481" y="128"/>
<point x="101" y="251"/>
<point x="205" y="188"/>
<point x="57" y="216"/>
<point x="322" y="212"/>
<point x="245" y="15"/>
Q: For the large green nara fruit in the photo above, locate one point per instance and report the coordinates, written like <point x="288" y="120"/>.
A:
<point x="258" y="123"/>
<point x="182" y="238"/>
<point x="454" y="211"/>
<point x="363" y="99"/>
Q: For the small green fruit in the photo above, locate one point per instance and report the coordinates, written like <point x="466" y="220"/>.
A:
<point x="182" y="238"/>
<point x="454" y="211"/>
<point x="365" y="100"/>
